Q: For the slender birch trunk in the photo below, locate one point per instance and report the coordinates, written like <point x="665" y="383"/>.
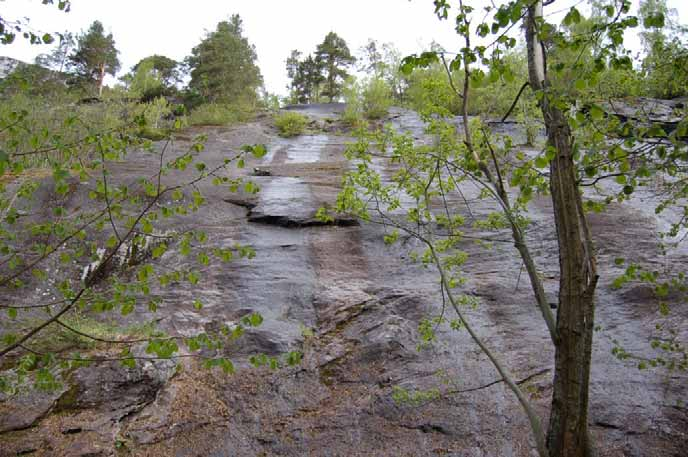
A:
<point x="567" y="435"/>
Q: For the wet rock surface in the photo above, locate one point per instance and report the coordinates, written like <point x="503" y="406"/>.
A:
<point x="352" y="305"/>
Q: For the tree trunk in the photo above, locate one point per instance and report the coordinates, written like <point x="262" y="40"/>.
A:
<point x="568" y="426"/>
<point x="330" y="82"/>
<point x="101" y="79"/>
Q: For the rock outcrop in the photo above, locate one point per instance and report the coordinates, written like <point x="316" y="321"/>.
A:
<point x="352" y="305"/>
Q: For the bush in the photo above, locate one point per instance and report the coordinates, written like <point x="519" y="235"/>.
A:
<point x="37" y="116"/>
<point x="429" y="92"/>
<point x="155" y="112"/>
<point x="214" y="114"/>
<point x="353" y="113"/>
<point x="377" y="98"/>
<point x="368" y="99"/>
<point x="290" y="124"/>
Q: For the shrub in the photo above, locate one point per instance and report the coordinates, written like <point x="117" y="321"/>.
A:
<point x="290" y="124"/>
<point x="213" y="114"/>
<point x="368" y="99"/>
<point x="428" y="91"/>
<point x="377" y="98"/>
<point x="353" y="113"/>
<point x="71" y="122"/>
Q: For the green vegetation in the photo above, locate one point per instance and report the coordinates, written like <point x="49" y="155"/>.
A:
<point x="560" y="85"/>
<point x="370" y="98"/>
<point x="322" y="75"/>
<point x="215" y="114"/>
<point x="665" y="66"/>
<point x="353" y="113"/>
<point x="306" y="78"/>
<point x="223" y="68"/>
<point x="54" y="142"/>
<point x="290" y="123"/>
<point x="154" y="76"/>
<point x="56" y="137"/>
<point x="94" y="57"/>
<point x="334" y="56"/>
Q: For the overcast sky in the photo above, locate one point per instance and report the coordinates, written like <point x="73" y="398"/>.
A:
<point x="172" y="27"/>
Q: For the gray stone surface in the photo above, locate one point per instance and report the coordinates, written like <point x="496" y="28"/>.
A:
<point x="363" y="302"/>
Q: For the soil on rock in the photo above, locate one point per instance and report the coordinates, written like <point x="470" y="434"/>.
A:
<point x="352" y="305"/>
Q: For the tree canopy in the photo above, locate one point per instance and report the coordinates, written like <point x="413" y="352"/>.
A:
<point x="334" y="56"/>
<point x="153" y="76"/>
<point x="306" y="77"/>
<point x="223" y="66"/>
<point x="95" y="56"/>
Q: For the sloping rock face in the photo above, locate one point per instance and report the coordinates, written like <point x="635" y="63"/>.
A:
<point x="364" y="387"/>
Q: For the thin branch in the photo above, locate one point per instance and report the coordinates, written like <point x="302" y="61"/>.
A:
<point x="450" y="77"/>
<point x="513" y="105"/>
<point x="40" y="327"/>
<point x="104" y="340"/>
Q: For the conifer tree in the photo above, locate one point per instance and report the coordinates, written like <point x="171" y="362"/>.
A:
<point x="334" y="56"/>
<point x="95" y="56"/>
<point x="223" y="66"/>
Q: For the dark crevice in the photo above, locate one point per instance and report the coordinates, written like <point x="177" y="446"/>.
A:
<point x="428" y="428"/>
<point x="288" y="222"/>
<point x="607" y="425"/>
<point x="243" y="203"/>
<point x="490" y="384"/>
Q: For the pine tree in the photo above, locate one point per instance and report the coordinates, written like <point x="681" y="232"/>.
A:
<point x="223" y="66"/>
<point x="306" y="77"/>
<point x="95" y="56"/>
<point x="334" y="55"/>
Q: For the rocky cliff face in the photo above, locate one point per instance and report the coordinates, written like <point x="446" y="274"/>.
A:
<point x="363" y="388"/>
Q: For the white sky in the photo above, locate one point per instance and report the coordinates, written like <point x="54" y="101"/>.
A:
<point x="172" y="27"/>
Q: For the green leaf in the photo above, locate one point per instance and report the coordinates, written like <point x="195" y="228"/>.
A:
<point x="294" y="358"/>
<point x="159" y="250"/>
<point x="203" y="258"/>
<point x="193" y="277"/>
<point x="655" y="20"/>
<point x="596" y="113"/>
<point x="259" y="151"/>
<point x="252" y="320"/>
<point x="127" y="307"/>
<point x="573" y="17"/>
<point x="541" y="162"/>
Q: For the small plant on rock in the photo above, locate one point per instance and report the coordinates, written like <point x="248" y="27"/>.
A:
<point x="290" y="124"/>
